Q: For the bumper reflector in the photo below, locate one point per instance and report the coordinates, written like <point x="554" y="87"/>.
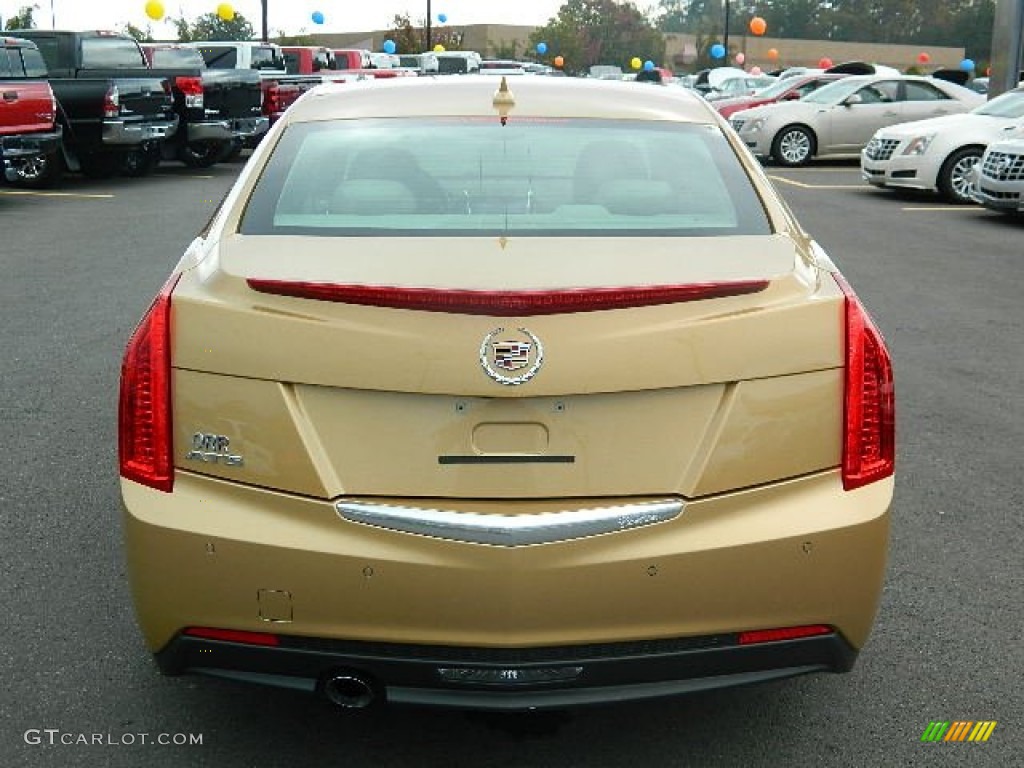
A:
<point x="232" y="635"/>
<point x="786" y="633"/>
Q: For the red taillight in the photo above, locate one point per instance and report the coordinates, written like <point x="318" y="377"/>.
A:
<point x="786" y="633"/>
<point x="271" y="99"/>
<point x="232" y="635"/>
<point x="507" y="303"/>
<point x="112" y="102"/>
<point x="144" y="411"/>
<point x="869" y="404"/>
<point x="192" y="88"/>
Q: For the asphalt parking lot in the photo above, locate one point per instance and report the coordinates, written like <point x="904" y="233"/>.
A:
<point x="945" y="284"/>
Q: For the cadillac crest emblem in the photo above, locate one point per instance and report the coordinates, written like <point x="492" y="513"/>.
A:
<point x="518" y="351"/>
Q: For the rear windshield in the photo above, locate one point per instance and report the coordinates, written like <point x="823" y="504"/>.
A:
<point x="111" y="53"/>
<point x="471" y="176"/>
<point x="177" y="57"/>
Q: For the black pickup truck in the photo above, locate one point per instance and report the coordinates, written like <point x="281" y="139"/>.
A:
<point x="114" y="109"/>
<point x="219" y="109"/>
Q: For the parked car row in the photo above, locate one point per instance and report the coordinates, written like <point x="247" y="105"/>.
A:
<point x="98" y="103"/>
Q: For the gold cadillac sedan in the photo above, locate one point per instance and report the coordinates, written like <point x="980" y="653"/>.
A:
<point x="511" y="398"/>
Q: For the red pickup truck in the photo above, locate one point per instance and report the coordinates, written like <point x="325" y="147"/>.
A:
<point x="30" y="139"/>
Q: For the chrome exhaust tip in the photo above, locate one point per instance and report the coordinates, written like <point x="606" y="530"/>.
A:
<point x="349" y="691"/>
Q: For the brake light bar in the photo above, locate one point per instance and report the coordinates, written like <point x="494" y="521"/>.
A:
<point x="232" y="635"/>
<point x="869" y="403"/>
<point x="507" y="303"/>
<point x="756" y="636"/>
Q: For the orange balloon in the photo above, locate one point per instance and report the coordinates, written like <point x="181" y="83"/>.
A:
<point x="773" y="54"/>
<point x="559" y="61"/>
<point x="923" y="58"/>
<point x="758" y="26"/>
<point x="825" y="62"/>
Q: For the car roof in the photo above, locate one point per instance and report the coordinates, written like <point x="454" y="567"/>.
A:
<point x="472" y="95"/>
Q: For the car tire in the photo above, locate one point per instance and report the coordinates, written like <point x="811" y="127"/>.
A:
<point x="38" y="172"/>
<point x="98" y="166"/>
<point x="953" y="181"/>
<point x="138" y="163"/>
<point x="202" y="154"/>
<point x="794" y="145"/>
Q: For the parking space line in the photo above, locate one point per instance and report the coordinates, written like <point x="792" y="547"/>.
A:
<point x="941" y="208"/>
<point x="805" y="185"/>
<point x="38" y="193"/>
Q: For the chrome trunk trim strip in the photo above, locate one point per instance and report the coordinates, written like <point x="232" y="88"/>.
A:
<point x="511" y="530"/>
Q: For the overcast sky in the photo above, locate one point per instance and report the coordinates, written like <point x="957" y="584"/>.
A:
<point x="289" y="15"/>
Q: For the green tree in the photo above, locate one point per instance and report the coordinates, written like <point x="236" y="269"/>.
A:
<point x="410" y="38"/>
<point x="142" y="35"/>
<point x="588" y="32"/>
<point x="505" y="49"/>
<point x="210" y="26"/>
<point x="23" y="19"/>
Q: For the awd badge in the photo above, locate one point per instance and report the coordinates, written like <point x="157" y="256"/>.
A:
<point x="518" y="350"/>
<point x="213" y="449"/>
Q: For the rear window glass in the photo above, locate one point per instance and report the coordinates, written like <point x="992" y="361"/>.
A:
<point x="111" y="53"/>
<point x="33" y="61"/>
<point x="177" y="57"/>
<point x="266" y="58"/>
<point x="471" y="176"/>
<point x="217" y="57"/>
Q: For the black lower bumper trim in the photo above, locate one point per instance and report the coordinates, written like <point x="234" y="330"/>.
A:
<point x="608" y="673"/>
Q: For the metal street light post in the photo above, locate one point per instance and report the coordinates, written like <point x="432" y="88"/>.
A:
<point x="266" y="37"/>
<point x="725" y="36"/>
<point x="429" y="46"/>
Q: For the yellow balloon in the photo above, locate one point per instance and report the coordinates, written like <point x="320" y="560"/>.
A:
<point x="155" y="10"/>
<point x="635" y="62"/>
<point x="225" y="11"/>
<point x="438" y="48"/>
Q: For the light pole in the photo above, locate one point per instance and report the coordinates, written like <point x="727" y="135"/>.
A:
<point x="725" y="36"/>
<point x="429" y="46"/>
<point x="266" y="37"/>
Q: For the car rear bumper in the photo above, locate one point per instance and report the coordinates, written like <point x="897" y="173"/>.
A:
<point x="795" y="553"/>
<point x="519" y="679"/>
<point x="240" y="129"/>
<point x="121" y="132"/>
<point x="29" y="145"/>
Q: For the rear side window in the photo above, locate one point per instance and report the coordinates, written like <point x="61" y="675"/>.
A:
<point x="111" y="53"/>
<point x="6" y="68"/>
<point x="924" y="92"/>
<point x="471" y="176"/>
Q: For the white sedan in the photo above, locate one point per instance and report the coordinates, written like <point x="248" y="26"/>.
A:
<point x="840" y="118"/>
<point x="939" y="154"/>
<point x="997" y="181"/>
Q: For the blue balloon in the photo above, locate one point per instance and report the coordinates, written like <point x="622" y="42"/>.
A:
<point x="648" y="65"/>
<point x="967" y="65"/>
<point x="442" y="17"/>
<point x="717" y="51"/>
<point x="542" y="48"/>
<point x="389" y="46"/>
<point x="318" y="18"/>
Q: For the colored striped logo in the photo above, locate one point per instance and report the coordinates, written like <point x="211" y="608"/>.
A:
<point x="959" y="730"/>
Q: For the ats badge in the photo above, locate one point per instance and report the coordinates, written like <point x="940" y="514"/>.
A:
<point x="511" y="351"/>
